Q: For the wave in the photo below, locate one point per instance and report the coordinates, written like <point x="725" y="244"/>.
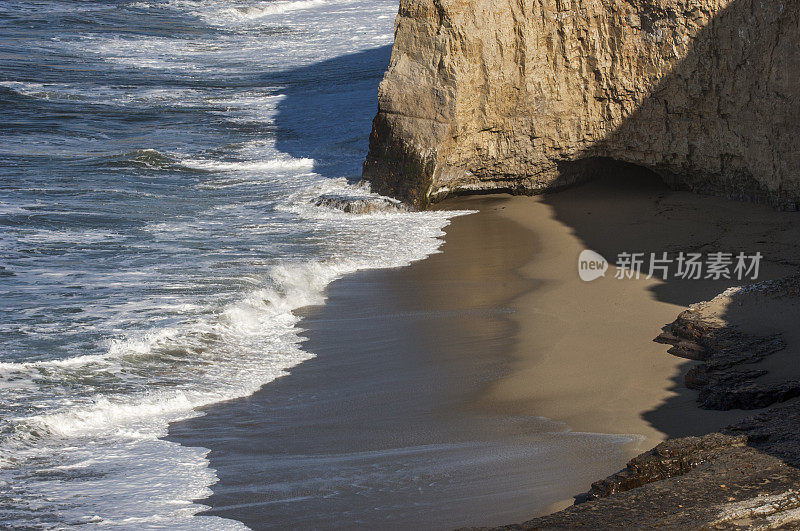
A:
<point x="273" y="165"/>
<point x="273" y="8"/>
<point x="102" y="439"/>
<point x="227" y="354"/>
<point x="77" y="361"/>
<point x="212" y="14"/>
<point x="276" y="8"/>
<point x="106" y="414"/>
<point x="223" y="350"/>
<point x="191" y="299"/>
<point x="39" y="90"/>
<point x="89" y="93"/>
<point x="150" y="159"/>
<point x="211" y="351"/>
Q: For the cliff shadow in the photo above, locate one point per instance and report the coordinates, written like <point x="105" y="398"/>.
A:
<point x="724" y="111"/>
<point x="327" y="110"/>
<point x="628" y="207"/>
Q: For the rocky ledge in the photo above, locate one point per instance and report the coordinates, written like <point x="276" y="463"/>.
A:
<point x="526" y="96"/>
<point x="729" y="375"/>
<point x="355" y="204"/>
<point x="744" y="477"/>
<point x="747" y="475"/>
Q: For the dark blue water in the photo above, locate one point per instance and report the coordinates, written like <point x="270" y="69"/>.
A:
<point x="160" y="166"/>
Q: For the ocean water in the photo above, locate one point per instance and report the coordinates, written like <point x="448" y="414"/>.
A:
<point x="160" y="165"/>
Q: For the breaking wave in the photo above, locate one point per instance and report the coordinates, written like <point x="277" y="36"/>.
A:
<point x="157" y="243"/>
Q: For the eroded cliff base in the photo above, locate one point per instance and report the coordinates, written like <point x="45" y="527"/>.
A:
<point x="516" y="96"/>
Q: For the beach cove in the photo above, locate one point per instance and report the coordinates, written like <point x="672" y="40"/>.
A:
<point x="486" y="384"/>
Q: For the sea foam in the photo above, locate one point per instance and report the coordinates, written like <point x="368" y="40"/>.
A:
<point x="161" y="265"/>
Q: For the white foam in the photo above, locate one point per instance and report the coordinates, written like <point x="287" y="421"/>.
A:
<point x="274" y="165"/>
<point x="120" y="415"/>
<point x="23" y="88"/>
<point x="265" y="9"/>
<point x="93" y="94"/>
<point x="99" y="417"/>
<point x="86" y="236"/>
<point x="217" y="14"/>
<point x="77" y="361"/>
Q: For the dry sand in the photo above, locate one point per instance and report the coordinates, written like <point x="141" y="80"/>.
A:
<point x="584" y="353"/>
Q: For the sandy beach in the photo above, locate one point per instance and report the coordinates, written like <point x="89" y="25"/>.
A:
<point x="381" y="428"/>
<point x="585" y="354"/>
<point x="487" y="384"/>
<point x="317" y="264"/>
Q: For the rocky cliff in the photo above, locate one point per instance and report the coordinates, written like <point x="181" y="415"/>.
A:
<point x="530" y="95"/>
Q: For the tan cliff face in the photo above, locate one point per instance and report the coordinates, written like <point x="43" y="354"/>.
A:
<point x="530" y="95"/>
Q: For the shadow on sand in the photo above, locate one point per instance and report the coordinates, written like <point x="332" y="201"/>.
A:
<point x="702" y="85"/>
<point x="633" y="211"/>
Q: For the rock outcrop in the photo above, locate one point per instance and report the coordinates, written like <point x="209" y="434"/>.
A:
<point x="531" y="95"/>
<point x="745" y="477"/>
<point x="731" y="374"/>
<point x="355" y="204"/>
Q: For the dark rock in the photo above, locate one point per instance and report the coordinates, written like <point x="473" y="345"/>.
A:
<point x="669" y="459"/>
<point x="722" y="380"/>
<point x="745" y="476"/>
<point x="360" y="204"/>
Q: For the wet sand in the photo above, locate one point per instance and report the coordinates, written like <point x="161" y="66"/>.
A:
<point x="424" y="406"/>
<point x="380" y="429"/>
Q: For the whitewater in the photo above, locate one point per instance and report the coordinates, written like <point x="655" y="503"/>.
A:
<point x="161" y="171"/>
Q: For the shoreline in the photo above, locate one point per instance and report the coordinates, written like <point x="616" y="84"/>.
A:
<point x="424" y="406"/>
<point x="379" y="427"/>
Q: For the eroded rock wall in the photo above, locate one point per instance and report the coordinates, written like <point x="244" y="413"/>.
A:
<point x="522" y="95"/>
